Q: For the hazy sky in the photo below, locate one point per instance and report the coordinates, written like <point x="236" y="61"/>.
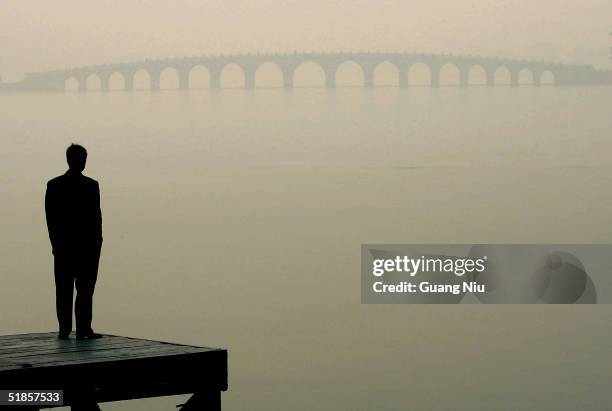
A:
<point x="37" y="35"/>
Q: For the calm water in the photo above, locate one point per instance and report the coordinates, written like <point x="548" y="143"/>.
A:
<point x="235" y="219"/>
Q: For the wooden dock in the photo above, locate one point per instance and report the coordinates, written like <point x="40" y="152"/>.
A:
<point x="113" y="368"/>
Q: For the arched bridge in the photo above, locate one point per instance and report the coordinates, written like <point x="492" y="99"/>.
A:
<point x="329" y="64"/>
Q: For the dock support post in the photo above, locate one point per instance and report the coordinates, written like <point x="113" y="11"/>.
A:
<point x="200" y="401"/>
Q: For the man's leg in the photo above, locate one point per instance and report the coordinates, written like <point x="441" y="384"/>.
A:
<point x="85" y="284"/>
<point x="64" y="284"/>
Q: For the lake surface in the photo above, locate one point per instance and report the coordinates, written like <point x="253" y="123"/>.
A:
<point x="235" y="219"/>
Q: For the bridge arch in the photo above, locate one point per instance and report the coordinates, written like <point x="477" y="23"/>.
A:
<point x="116" y="81"/>
<point x="526" y="77"/>
<point x="270" y="75"/>
<point x="71" y="84"/>
<point x="419" y="74"/>
<point x="450" y="74"/>
<point x="547" y="77"/>
<point x="503" y="76"/>
<point x="232" y="75"/>
<point x="198" y="77"/>
<point x="349" y="73"/>
<point x="386" y="73"/>
<point x="142" y="79"/>
<point x="93" y="82"/>
<point x="477" y="75"/>
<point x="169" y="78"/>
<point x="309" y="74"/>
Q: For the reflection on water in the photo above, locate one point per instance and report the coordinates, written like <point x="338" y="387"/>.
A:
<point x="235" y="219"/>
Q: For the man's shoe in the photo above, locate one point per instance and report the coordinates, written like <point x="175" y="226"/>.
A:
<point x="63" y="336"/>
<point x="89" y="336"/>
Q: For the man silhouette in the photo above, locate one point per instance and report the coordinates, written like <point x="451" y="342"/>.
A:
<point x="74" y="220"/>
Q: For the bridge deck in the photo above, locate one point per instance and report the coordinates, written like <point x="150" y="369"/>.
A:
<point x="111" y="368"/>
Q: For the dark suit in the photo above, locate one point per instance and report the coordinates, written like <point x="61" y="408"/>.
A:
<point x="74" y="220"/>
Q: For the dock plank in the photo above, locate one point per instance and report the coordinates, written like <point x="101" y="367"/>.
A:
<point x="67" y="349"/>
<point x="62" y="345"/>
<point x="78" y="357"/>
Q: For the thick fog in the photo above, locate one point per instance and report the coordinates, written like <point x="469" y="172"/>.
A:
<point x="37" y="35"/>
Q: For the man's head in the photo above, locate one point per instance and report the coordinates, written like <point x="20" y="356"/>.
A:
<point x="76" y="156"/>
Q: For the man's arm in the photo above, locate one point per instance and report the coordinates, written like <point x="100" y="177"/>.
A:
<point x="51" y="215"/>
<point x="98" y="216"/>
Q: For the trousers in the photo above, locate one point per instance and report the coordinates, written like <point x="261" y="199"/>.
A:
<point x="75" y="269"/>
